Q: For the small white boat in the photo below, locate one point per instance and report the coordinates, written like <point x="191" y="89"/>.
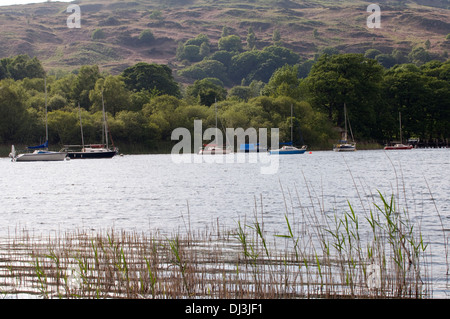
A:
<point x="39" y="156"/>
<point x="398" y="146"/>
<point x="213" y="149"/>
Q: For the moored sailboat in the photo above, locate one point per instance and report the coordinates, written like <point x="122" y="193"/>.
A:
<point x="400" y="145"/>
<point x="92" y="150"/>
<point x="289" y="147"/>
<point x="344" y="145"/>
<point x="215" y="149"/>
<point x="41" y="152"/>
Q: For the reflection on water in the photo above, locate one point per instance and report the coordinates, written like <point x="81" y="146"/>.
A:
<point x="151" y="192"/>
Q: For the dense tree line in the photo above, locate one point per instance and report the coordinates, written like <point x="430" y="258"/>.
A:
<point x="249" y="88"/>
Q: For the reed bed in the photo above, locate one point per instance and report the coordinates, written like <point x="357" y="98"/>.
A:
<point x="316" y="255"/>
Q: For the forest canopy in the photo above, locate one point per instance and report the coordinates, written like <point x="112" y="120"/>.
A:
<point x="255" y="88"/>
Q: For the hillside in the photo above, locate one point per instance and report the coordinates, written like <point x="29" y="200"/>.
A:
<point x="306" y="27"/>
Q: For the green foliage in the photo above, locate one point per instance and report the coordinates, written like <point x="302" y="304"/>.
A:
<point x="421" y="95"/>
<point x="248" y="65"/>
<point x="146" y="37"/>
<point x="189" y="52"/>
<point x="276" y="37"/>
<point x="144" y="103"/>
<point x="372" y="53"/>
<point x="419" y="56"/>
<point x="242" y="93"/>
<point x="206" y="69"/>
<point x="204" y="50"/>
<point x="63" y="86"/>
<point x="351" y="79"/>
<point x="231" y="43"/>
<point x="85" y="82"/>
<point x="222" y="56"/>
<point x="251" y="39"/>
<point x="284" y="82"/>
<point x="207" y="91"/>
<point x="156" y="15"/>
<point x="162" y="114"/>
<point x="14" y="117"/>
<point x="132" y="127"/>
<point x="110" y="21"/>
<point x="193" y="50"/>
<point x="98" y="34"/>
<point x="63" y="125"/>
<point x="198" y="40"/>
<point x="21" y="67"/>
<point x="386" y="60"/>
<point x="149" y="77"/>
<point x="112" y="92"/>
<point x="57" y="102"/>
<point x="282" y="55"/>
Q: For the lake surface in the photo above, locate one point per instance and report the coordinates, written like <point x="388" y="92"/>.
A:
<point x="155" y="192"/>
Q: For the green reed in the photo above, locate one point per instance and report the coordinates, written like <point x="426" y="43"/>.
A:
<point x="375" y="254"/>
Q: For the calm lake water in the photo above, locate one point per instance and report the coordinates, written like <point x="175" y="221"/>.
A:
<point x="154" y="192"/>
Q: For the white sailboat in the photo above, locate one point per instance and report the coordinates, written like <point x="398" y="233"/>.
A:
<point x="344" y="145"/>
<point x="41" y="152"/>
<point x="215" y="149"/>
<point x="399" y="146"/>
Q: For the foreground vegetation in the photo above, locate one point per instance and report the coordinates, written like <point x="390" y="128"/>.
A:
<point x="380" y="255"/>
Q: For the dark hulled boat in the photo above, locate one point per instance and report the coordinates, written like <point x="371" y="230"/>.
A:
<point x="90" y="151"/>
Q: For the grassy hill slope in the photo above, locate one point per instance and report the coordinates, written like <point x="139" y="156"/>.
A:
<point x="307" y="27"/>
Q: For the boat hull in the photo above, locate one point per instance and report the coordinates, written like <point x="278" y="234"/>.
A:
<point x="41" y="157"/>
<point x="287" y="152"/>
<point x="399" y="147"/>
<point x="344" y="148"/>
<point x="88" y="155"/>
<point x="215" y="152"/>
<point x="212" y="149"/>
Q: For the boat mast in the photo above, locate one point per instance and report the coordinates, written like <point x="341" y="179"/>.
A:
<point x="215" y="108"/>
<point x="46" y="119"/>
<point x="400" y="123"/>
<point x="105" y="135"/>
<point x="292" y="127"/>
<point x="81" y="126"/>
<point x="345" y="122"/>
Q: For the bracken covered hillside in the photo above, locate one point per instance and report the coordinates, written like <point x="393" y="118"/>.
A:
<point x="111" y="33"/>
